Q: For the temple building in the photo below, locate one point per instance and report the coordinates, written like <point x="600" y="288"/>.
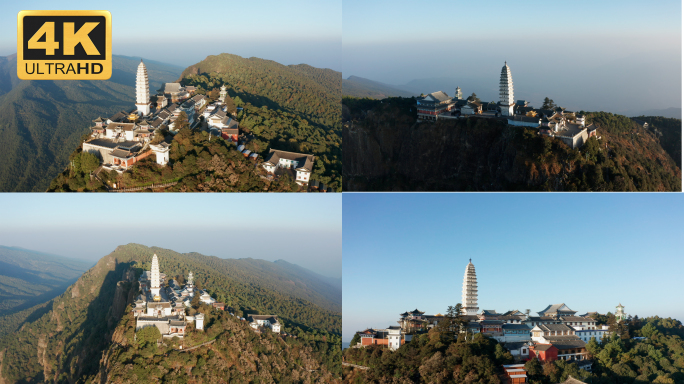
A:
<point x="557" y="310"/>
<point x="562" y="337"/>
<point x="434" y="104"/>
<point x="506" y="100"/>
<point x="469" y="293"/>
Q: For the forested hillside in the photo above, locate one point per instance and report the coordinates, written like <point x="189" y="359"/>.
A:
<point x="200" y="163"/>
<point x="70" y="337"/>
<point x="41" y="122"/>
<point x="293" y="108"/>
<point x="439" y="357"/>
<point x="669" y="133"/>
<point x="28" y="279"/>
<point x="385" y="149"/>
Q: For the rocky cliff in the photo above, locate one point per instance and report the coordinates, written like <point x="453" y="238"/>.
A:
<point x="385" y="149"/>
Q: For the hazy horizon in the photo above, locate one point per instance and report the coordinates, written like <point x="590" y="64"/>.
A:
<point x="611" y="56"/>
<point x="261" y="226"/>
<point x="300" y="32"/>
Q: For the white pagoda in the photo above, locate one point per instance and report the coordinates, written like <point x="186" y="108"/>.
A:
<point x="154" y="279"/>
<point x="620" y="313"/>
<point x="223" y="93"/>
<point x="142" y="90"/>
<point x="469" y="296"/>
<point x="506" y="101"/>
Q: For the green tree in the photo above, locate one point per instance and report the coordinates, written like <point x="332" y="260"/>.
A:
<point x="473" y="97"/>
<point x="147" y="336"/>
<point x="181" y="122"/>
<point x="355" y="340"/>
<point x="230" y="105"/>
<point x="548" y="104"/>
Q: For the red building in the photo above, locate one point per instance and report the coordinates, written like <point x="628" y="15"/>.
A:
<point x="375" y="337"/>
<point x="516" y="373"/>
<point x="544" y="352"/>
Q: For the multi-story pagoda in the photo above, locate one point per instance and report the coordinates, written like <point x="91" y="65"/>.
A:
<point x="469" y="296"/>
<point x="154" y="279"/>
<point x="142" y="90"/>
<point x="620" y="313"/>
<point x="506" y="101"/>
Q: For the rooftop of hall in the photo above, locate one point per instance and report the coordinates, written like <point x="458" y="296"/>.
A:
<point x="108" y="143"/>
<point x="570" y="130"/>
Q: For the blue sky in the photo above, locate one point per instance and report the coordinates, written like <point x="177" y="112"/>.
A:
<point x="185" y="32"/>
<point x="260" y="226"/>
<point x="611" y="55"/>
<point x="589" y="251"/>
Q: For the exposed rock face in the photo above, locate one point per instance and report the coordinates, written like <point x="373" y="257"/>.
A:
<point x="386" y="150"/>
<point x="120" y="301"/>
<point x="394" y="153"/>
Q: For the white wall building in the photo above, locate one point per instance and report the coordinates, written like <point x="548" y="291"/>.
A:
<point x="394" y="337"/>
<point x="588" y="334"/>
<point x="199" y="322"/>
<point x="162" y="152"/>
<point x="269" y="321"/>
<point x="301" y="163"/>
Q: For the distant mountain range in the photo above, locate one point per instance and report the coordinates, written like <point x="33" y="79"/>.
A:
<point x="359" y="87"/>
<point x="29" y="278"/>
<point x="42" y="121"/>
<point x="673" y="113"/>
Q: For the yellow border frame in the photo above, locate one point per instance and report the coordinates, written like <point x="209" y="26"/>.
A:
<point x="106" y="63"/>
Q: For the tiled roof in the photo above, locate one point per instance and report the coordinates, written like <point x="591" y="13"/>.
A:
<point x="305" y="162"/>
<point x="172" y="87"/>
<point x="555" y="328"/>
<point x="542" y="347"/>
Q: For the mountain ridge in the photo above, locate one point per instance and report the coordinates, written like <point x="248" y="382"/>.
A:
<point x="85" y="319"/>
<point x="361" y="87"/>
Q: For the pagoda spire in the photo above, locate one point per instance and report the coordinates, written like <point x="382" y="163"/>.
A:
<point x="142" y="90"/>
<point x="469" y="293"/>
<point x="506" y="99"/>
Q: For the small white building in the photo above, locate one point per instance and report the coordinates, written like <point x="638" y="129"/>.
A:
<point x="199" y="322"/>
<point x="205" y="298"/>
<point x="588" y="334"/>
<point x="394" y="337"/>
<point x="162" y="152"/>
<point x="270" y="321"/>
<point x="301" y="163"/>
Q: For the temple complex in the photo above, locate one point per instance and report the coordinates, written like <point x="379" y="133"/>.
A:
<point x="557" y="333"/>
<point x="164" y="308"/>
<point x="125" y="138"/>
<point x="567" y="126"/>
